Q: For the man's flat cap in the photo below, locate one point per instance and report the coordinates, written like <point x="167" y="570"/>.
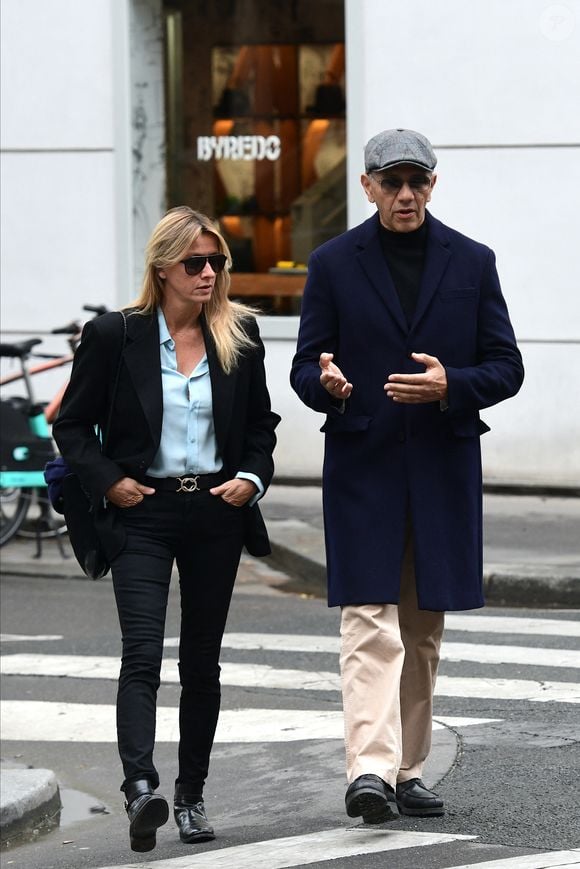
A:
<point x="393" y="147"/>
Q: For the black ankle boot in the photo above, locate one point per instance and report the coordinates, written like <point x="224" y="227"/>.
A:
<point x="146" y="811"/>
<point x="190" y="816"/>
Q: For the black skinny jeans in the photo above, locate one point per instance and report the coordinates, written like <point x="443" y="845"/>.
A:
<point x="204" y="535"/>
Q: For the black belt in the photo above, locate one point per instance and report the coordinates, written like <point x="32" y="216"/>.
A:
<point x="187" y="483"/>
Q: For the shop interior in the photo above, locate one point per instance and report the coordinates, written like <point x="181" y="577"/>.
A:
<point x="256" y="133"/>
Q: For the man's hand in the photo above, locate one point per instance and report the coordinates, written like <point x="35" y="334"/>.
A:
<point x="332" y="378"/>
<point x="419" y="388"/>
<point x="236" y="492"/>
<point x="127" y="492"/>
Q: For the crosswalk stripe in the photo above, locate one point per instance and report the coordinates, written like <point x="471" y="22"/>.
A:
<point x="302" y="850"/>
<point x="524" y="655"/>
<point x="29" y="638"/>
<point x="453" y="652"/>
<point x="85" y="722"/>
<point x="453" y="622"/>
<point x="47" y="721"/>
<point x="556" y="859"/>
<point x="279" y="642"/>
<point x="265" y="676"/>
<point x="483" y="653"/>
<point x="512" y="625"/>
<point x="101" y="667"/>
<point x="507" y="689"/>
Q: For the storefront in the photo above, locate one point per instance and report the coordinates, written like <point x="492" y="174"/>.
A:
<point x="256" y="133"/>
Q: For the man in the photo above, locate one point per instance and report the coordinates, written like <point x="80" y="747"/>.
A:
<point x="404" y="337"/>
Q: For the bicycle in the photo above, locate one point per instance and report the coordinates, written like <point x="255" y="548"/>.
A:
<point x="26" y="444"/>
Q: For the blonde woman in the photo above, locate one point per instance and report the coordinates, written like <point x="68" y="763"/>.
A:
<point x="188" y="454"/>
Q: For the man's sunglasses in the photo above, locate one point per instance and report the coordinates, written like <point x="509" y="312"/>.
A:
<point x="392" y="183"/>
<point x="195" y="264"/>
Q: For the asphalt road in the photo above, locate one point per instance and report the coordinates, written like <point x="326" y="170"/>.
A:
<point x="510" y="783"/>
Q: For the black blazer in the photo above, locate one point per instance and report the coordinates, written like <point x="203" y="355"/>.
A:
<point x="243" y="419"/>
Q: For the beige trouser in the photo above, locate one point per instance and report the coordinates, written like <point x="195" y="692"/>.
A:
<point x="388" y="663"/>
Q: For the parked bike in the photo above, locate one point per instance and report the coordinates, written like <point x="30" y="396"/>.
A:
<point x="26" y="443"/>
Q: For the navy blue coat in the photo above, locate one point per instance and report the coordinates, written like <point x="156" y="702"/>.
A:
<point x="385" y="461"/>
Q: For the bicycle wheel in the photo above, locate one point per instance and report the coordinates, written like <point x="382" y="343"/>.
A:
<point x="14" y="505"/>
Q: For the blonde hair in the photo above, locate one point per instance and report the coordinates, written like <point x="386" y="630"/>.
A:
<point x="170" y="240"/>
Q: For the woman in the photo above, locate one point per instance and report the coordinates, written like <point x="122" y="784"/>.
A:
<point x="188" y="453"/>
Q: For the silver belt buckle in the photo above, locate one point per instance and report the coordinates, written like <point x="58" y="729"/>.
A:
<point x="188" y="484"/>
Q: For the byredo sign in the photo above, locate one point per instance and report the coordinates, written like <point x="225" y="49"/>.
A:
<point x="238" y="147"/>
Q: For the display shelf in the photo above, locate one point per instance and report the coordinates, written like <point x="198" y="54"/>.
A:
<point x="259" y="284"/>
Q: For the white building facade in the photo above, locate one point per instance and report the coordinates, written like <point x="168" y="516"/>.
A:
<point x="494" y="86"/>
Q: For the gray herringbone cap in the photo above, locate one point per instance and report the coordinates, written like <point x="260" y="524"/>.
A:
<point x="393" y="147"/>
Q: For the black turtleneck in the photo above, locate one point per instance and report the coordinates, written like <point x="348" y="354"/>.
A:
<point x="405" y="256"/>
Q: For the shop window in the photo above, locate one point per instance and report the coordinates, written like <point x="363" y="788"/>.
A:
<point x="267" y="158"/>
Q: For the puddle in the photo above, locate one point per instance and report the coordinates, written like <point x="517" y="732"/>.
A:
<point x="77" y="806"/>
<point x="66" y="808"/>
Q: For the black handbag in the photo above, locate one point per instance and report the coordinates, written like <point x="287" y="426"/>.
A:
<point x="77" y="506"/>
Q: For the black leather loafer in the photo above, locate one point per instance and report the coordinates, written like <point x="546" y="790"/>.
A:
<point x="190" y="817"/>
<point x="413" y="798"/>
<point x="146" y="811"/>
<point x="372" y="798"/>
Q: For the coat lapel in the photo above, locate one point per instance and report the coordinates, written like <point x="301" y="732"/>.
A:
<point x="142" y="361"/>
<point x="374" y="265"/>
<point x="436" y="260"/>
<point x="222" y="389"/>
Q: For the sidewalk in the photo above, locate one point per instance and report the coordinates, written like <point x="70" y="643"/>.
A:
<point x="531" y="545"/>
<point x="531" y="558"/>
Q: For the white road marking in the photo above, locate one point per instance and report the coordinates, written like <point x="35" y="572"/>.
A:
<point x="44" y="721"/>
<point x="301" y="850"/>
<point x="485" y="654"/>
<point x="513" y="625"/>
<point x="524" y="655"/>
<point x="507" y="689"/>
<point x="282" y="642"/>
<point x="556" y="859"/>
<point x="453" y="622"/>
<point x="29" y="638"/>
<point x="311" y="680"/>
<point x="39" y="721"/>
<point x="101" y="667"/>
<point x="265" y="676"/>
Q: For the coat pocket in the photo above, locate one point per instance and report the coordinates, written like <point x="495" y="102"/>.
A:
<point x="345" y="423"/>
<point x="468" y="428"/>
<point x="450" y="295"/>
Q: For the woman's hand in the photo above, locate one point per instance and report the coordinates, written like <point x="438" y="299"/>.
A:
<point x="235" y="492"/>
<point x="127" y="492"/>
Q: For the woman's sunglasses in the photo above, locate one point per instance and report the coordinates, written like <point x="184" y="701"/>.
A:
<point x="195" y="264"/>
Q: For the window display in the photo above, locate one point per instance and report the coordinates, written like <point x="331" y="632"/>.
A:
<point x="267" y="158"/>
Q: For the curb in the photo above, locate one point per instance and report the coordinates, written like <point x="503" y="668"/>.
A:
<point x="48" y="570"/>
<point x="29" y="804"/>
<point x="522" y="586"/>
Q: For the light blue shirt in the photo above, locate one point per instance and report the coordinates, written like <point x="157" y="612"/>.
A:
<point x="188" y="444"/>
